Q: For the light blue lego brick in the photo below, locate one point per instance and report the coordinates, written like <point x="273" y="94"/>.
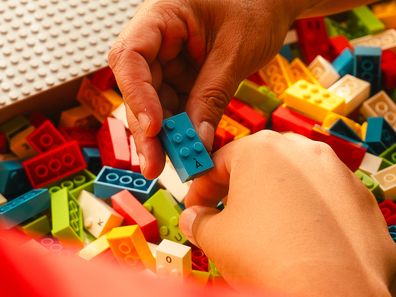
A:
<point x="184" y="148"/>
<point x="367" y="66"/>
<point x="24" y="207"/>
<point x="92" y="157"/>
<point x="13" y="180"/>
<point x="379" y="135"/>
<point x="286" y="52"/>
<point x="343" y="64"/>
<point x="110" y="181"/>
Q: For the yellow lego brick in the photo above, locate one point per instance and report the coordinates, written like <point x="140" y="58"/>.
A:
<point x="277" y="74"/>
<point x="79" y="116"/>
<point x="233" y="127"/>
<point x="301" y="72"/>
<point x="386" y="13"/>
<point x="95" y="248"/>
<point x="3" y="200"/>
<point x="312" y="100"/>
<point x="130" y="247"/>
<point x="364" y="130"/>
<point x="331" y="118"/>
<point x="20" y="147"/>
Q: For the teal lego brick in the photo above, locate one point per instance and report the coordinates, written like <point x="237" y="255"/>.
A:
<point x="343" y="64"/>
<point x="379" y="135"/>
<point x="13" y="179"/>
<point x="367" y="66"/>
<point x="92" y="157"/>
<point x="184" y="148"/>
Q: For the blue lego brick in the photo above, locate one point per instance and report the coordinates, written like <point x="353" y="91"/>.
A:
<point x="340" y="129"/>
<point x="392" y="232"/>
<point x="13" y="179"/>
<point x="343" y="64"/>
<point x="367" y="66"/>
<point x="184" y="148"/>
<point x="24" y="207"/>
<point x="286" y="52"/>
<point x="92" y="157"/>
<point x="379" y="135"/>
<point x="110" y="181"/>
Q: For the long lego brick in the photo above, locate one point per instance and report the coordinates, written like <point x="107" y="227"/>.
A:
<point x="54" y="164"/>
<point x="84" y="136"/>
<point x="367" y="66"/>
<point x="113" y="144"/>
<point x="24" y="207"/>
<point x="385" y="40"/>
<point x="73" y="182"/>
<point x="366" y="19"/>
<point x="110" y="181"/>
<point x="134" y="212"/>
<point x="45" y="137"/>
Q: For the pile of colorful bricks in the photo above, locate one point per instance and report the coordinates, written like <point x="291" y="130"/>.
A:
<point x="74" y="183"/>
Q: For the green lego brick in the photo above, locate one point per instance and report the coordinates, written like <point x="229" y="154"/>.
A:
<point x="73" y="182"/>
<point x="13" y="126"/>
<point x="369" y="183"/>
<point x="38" y="227"/>
<point x="365" y="21"/>
<point x="389" y="154"/>
<point x="385" y="164"/>
<point x="67" y="221"/>
<point x="334" y="28"/>
<point x="213" y="269"/>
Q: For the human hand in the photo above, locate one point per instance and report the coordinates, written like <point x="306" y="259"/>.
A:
<point x="190" y="55"/>
<point x="297" y="220"/>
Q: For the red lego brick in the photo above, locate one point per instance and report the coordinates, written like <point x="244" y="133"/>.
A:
<point x="3" y="143"/>
<point x="135" y="165"/>
<point x="338" y="44"/>
<point x="222" y="137"/>
<point x="199" y="259"/>
<point x="285" y="119"/>
<point x="36" y="119"/>
<point x="45" y="137"/>
<point x="54" y="165"/>
<point x="245" y="115"/>
<point x="84" y="136"/>
<point x="388" y="69"/>
<point x="104" y="79"/>
<point x="388" y="209"/>
<point x="313" y="38"/>
<point x="113" y="144"/>
<point x="256" y="78"/>
<point x="135" y="213"/>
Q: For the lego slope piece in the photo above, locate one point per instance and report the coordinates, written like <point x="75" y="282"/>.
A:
<point x="20" y="146"/>
<point x="45" y="137"/>
<point x="95" y="248"/>
<point x="184" y="148"/>
<point x="380" y="105"/>
<point x="385" y="40"/>
<point x="343" y="64"/>
<point x="173" y="259"/>
<point x="387" y="181"/>
<point x="367" y="66"/>
<point x="312" y="100"/>
<point x="171" y="181"/>
<point x="379" y="135"/>
<point x="134" y="213"/>
<point x="99" y="218"/>
<point x="78" y="116"/>
<point x="24" y="207"/>
<point x="165" y="209"/>
<point x="323" y="71"/>
<point x="46" y="44"/>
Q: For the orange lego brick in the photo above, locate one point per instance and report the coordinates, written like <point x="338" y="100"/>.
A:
<point x="301" y="71"/>
<point x="233" y="127"/>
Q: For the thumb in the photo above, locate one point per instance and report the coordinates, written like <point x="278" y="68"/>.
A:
<point x="195" y="224"/>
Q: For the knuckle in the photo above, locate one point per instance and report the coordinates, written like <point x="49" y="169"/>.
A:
<point x="264" y="138"/>
<point x="321" y="148"/>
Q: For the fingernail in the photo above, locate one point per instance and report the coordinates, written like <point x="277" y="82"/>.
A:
<point x="186" y="223"/>
<point x="206" y="133"/>
<point x="142" y="162"/>
<point x="144" y="121"/>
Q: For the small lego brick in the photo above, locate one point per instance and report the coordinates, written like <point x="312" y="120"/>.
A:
<point x="73" y="182"/>
<point x="385" y="40"/>
<point x="370" y="164"/>
<point x="222" y="137"/>
<point x="323" y="71"/>
<point x="277" y="75"/>
<point x="388" y="209"/>
<point x="129" y="246"/>
<point x="379" y="135"/>
<point x="387" y="181"/>
<point x="343" y="63"/>
<point x="301" y="71"/>
<point x="338" y="44"/>
<point x="45" y="138"/>
<point x="380" y="105"/>
<point x="92" y="157"/>
<point x="386" y="13"/>
<point x="99" y="218"/>
<point x="85" y="137"/>
<point x="184" y="148"/>
<point x="24" y="207"/>
<point x="20" y="146"/>
<point x="113" y="144"/>
<point x="55" y="164"/>
<point x="173" y="259"/>
<point x="167" y="211"/>
<point x="367" y="66"/>
<point x="233" y="127"/>
<point x="120" y="114"/>
<point x="363" y="18"/>
<point x="331" y="118"/>
<point x="245" y="115"/>
<point x="110" y="181"/>
<point x="100" y="103"/>
<point x="78" y="116"/>
<point x="67" y="220"/>
<point x="3" y="200"/>
<point x="3" y="143"/>
<point x="95" y="248"/>
<point x="369" y="183"/>
<point x="342" y="130"/>
<point x="37" y="228"/>
<point x="312" y="100"/>
<point x="284" y="119"/>
<point x="13" y="180"/>
<point x="388" y="69"/>
<point x="14" y="125"/>
<point x="171" y="181"/>
<point x="103" y="79"/>
<point x="134" y="213"/>
<point x="353" y="90"/>
<point x="390" y="154"/>
<point x="135" y="164"/>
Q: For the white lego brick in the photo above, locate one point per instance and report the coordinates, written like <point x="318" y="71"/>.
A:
<point x="323" y="71"/>
<point x="173" y="259"/>
<point x="370" y="163"/>
<point x="380" y="105"/>
<point x="94" y="249"/>
<point x="291" y="37"/>
<point x="385" y="40"/>
<point x="99" y="217"/>
<point x="171" y="181"/>
<point x="44" y="44"/>
<point x="3" y="200"/>
<point x="120" y="114"/>
<point x="153" y="248"/>
<point x="353" y="90"/>
<point x="387" y="181"/>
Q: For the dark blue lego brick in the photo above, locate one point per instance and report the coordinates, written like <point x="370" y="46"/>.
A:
<point x="24" y="207"/>
<point x="92" y="157"/>
<point x="110" y="181"/>
<point x="286" y="52"/>
<point x="379" y="135"/>
<point x="392" y="232"/>
<point x="343" y="64"/>
<point x="340" y="129"/>
<point x="13" y="179"/>
<point x="367" y="66"/>
<point x="184" y="148"/>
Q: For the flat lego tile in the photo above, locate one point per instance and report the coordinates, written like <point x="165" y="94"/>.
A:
<point x="173" y="259"/>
